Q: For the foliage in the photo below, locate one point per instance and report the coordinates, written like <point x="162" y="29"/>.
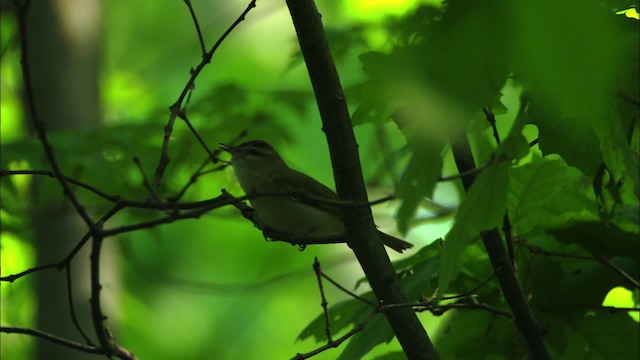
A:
<point x="568" y="203"/>
<point x="560" y="180"/>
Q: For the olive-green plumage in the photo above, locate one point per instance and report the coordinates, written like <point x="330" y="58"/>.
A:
<point x="276" y="194"/>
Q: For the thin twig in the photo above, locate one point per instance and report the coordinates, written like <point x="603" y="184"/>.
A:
<point x="600" y="259"/>
<point x="67" y="260"/>
<point x="176" y="107"/>
<point x="471" y="291"/>
<point x="37" y="122"/>
<point x="87" y="236"/>
<point x="334" y="344"/>
<point x="52" y="338"/>
<point x="491" y="119"/>
<point x="350" y="293"/>
<point x="463" y="174"/>
<point x="194" y="214"/>
<point x="323" y="303"/>
<point x="14" y="277"/>
<point x="195" y="22"/>
<point x="152" y="193"/>
<point x="72" y="310"/>
<point x="183" y="115"/>
<point x="106" y="339"/>
<point x="49" y="173"/>
<point x="200" y="170"/>
<point x="439" y="309"/>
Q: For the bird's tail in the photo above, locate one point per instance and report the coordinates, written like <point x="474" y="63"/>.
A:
<point x="394" y="243"/>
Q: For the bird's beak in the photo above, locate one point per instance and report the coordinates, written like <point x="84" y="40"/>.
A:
<point x="227" y="148"/>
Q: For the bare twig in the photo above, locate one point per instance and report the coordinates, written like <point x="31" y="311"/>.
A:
<point x="37" y="122"/>
<point x="14" y="277"/>
<point x="52" y="338"/>
<point x="176" y="107"/>
<point x="72" y="310"/>
<point x="350" y="293"/>
<point x="334" y="344"/>
<point x="183" y="115"/>
<point x="107" y="342"/>
<point x="471" y="291"/>
<point x="152" y="193"/>
<point x="599" y="259"/>
<point x="491" y="119"/>
<point x="49" y="173"/>
<point x="323" y="303"/>
<point x="200" y="170"/>
<point x="468" y="302"/>
<point x="195" y="22"/>
<point x="67" y="260"/>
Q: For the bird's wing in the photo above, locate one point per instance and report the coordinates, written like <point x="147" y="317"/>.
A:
<point x="296" y="181"/>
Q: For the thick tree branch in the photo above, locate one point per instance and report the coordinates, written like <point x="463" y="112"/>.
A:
<point x="349" y="180"/>
<point x="502" y="266"/>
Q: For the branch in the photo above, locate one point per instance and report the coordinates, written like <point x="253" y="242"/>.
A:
<point x="176" y="107"/>
<point x="52" y="338"/>
<point x="600" y="259"/>
<point x="195" y="22"/>
<point x="37" y="122"/>
<point x="323" y="303"/>
<point x="335" y="343"/>
<point x="361" y="231"/>
<point x="72" y="310"/>
<point x="524" y="320"/>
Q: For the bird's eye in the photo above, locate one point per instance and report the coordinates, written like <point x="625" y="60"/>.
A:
<point x="255" y="152"/>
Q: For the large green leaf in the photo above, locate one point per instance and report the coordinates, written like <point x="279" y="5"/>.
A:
<point x="484" y="335"/>
<point x="570" y="60"/>
<point x="599" y="239"/>
<point x="482" y="209"/>
<point x="603" y="336"/>
<point x="547" y="193"/>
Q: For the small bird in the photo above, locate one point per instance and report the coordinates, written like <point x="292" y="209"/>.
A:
<point x="261" y="170"/>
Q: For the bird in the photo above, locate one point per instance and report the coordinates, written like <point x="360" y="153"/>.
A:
<point x="287" y="200"/>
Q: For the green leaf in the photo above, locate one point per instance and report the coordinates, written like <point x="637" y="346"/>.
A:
<point x="376" y="332"/>
<point x="604" y="336"/>
<point x="578" y="284"/>
<point x="599" y="239"/>
<point x="515" y="146"/>
<point x="546" y="194"/>
<point x="419" y="272"/>
<point x="482" y="209"/>
<point x="571" y="138"/>
<point x="417" y="182"/>
<point x="484" y="335"/>
<point x="341" y="316"/>
<point x="568" y="75"/>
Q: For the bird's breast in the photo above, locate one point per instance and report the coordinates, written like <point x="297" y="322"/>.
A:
<point x="285" y="214"/>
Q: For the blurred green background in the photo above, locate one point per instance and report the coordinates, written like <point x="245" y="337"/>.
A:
<point x="213" y="288"/>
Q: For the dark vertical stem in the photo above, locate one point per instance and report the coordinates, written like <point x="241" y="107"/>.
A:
<point x="524" y="320"/>
<point x="363" y="236"/>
